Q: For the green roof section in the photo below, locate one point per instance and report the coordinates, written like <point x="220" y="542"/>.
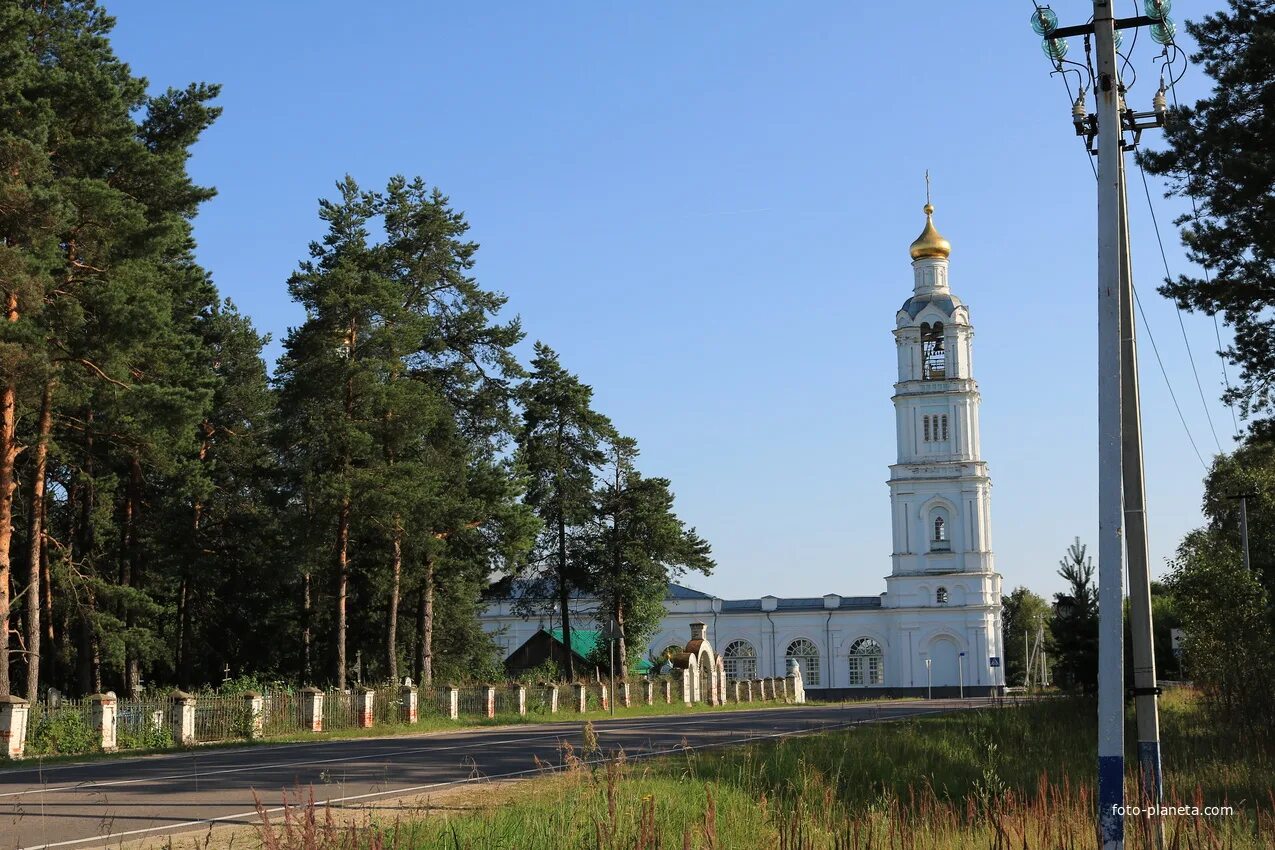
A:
<point x="585" y="641"/>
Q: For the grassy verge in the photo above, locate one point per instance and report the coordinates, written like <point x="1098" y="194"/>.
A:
<point x="998" y="778"/>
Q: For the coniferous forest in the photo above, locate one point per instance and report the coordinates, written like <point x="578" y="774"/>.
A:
<point x="173" y="507"/>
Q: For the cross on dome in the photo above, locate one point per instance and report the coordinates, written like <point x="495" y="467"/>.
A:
<point x="930" y="243"/>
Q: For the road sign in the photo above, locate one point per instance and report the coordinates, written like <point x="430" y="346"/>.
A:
<point x="994" y="661"/>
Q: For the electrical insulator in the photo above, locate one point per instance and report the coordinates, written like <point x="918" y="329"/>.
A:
<point x="1055" y="48"/>
<point x="1044" y="20"/>
<point x="1159" y="104"/>
<point x="1162" y="32"/>
<point x="1157" y="9"/>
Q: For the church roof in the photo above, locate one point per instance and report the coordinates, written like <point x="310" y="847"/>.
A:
<point x="943" y="301"/>
<point x="678" y="591"/>
<point x="802" y="603"/>
<point x="542" y="588"/>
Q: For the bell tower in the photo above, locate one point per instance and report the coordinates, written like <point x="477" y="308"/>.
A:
<point x="940" y="493"/>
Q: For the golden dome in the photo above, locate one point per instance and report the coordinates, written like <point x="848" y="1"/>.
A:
<point x="930" y="243"/>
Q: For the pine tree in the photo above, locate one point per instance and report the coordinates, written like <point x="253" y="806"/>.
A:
<point x="560" y="447"/>
<point x="639" y="546"/>
<point x="1221" y="153"/>
<point x="391" y="392"/>
<point x="98" y="276"/>
<point x="328" y="381"/>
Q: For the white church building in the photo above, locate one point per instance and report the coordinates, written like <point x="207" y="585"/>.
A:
<point x="938" y="623"/>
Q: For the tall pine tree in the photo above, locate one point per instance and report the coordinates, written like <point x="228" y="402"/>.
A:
<point x="561" y="449"/>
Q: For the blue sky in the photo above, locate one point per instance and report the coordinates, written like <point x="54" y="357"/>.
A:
<point x="706" y="208"/>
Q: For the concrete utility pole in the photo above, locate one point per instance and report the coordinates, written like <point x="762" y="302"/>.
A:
<point x="1121" y="491"/>
<point x="1244" y="497"/>
<point x="1111" y="264"/>
<point x="1145" y="690"/>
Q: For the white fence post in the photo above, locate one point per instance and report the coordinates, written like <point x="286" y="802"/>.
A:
<point x="105" y="720"/>
<point x="453" y="701"/>
<point x="255" y="704"/>
<point x="181" y="718"/>
<point x="366" y="714"/>
<point x="409" y="698"/>
<point x="312" y="709"/>
<point x="13" y="726"/>
<point x="489" y="700"/>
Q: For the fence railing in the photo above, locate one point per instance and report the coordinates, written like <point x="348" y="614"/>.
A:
<point x="69" y="726"/>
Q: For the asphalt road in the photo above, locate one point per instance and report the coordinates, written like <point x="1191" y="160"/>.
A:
<point x="108" y="802"/>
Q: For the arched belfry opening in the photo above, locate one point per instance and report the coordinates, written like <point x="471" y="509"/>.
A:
<point x="933" y="356"/>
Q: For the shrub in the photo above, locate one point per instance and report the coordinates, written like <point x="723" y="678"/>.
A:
<point x="62" y="732"/>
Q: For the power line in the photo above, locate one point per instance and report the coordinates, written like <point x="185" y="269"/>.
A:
<point x="1181" y="324"/>
<point x="1145" y="324"/>
<point x="1195" y="215"/>
<point x="1169" y="386"/>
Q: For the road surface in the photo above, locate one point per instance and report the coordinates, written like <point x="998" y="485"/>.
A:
<point x="109" y="802"/>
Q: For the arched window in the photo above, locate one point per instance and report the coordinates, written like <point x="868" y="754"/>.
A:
<point x="807" y="655"/>
<point x="926" y="420"/>
<point x="933" y="358"/>
<point x="945" y="427"/>
<point x="740" y="660"/>
<point x="867" y="663"/>
<point x="940" y="596"/>
<point x="670" y="651"/>
<point x="940" y="528"/>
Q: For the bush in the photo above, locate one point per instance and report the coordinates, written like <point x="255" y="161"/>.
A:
<point x="62" y="732"/>
<point x="156" y="736"/>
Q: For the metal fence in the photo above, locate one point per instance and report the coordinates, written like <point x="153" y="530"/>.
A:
<point x="339" y="710"/>
<point x="473" y="701"/>
<point x="143" y="724"/>
<point x="222" y="718"/>
<point x="540" y="699"/>
<point x="281" y="713"/>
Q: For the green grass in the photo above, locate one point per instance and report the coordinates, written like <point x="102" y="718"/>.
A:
<point x="996" y="778"/>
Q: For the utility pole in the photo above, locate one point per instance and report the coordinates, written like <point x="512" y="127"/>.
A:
<point x="1111" y="263"/>
<point x="1121" y="491"/>
<point x="1243" y="498"/>
<point x="1145" y="690"/>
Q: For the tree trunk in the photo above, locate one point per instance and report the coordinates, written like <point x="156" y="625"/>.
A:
<point x="88" y="656"/>
<point x="342" y="586"/>
<point x="36" y="549"/>
<point x="307" y="613"/>
<point x="427" y="624"/>
<point x="49" y="657"/>
<point x="8" y="483"/>
<point x="185" y="640"/>
<point x="622" y="657"/>
<point x="392" y="638"/>
<point x="564" y="598"/>
<point x="418" y="659"/>
<point x="183" y="633"/>
<point x="130" y="573"/>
